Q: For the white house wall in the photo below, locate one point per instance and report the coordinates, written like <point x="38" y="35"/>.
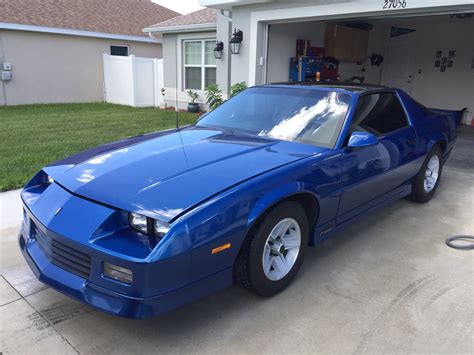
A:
<point x="52" y="68"/>
<point x="169" y="59"/>
<point x="173" y="66"/>
<point x="240" y="62"/>
<point x="224" y="30"/>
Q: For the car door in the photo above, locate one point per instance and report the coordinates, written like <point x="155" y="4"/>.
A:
<point x="371" y="174"/>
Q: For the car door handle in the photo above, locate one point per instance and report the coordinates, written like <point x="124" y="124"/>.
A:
<point x="411" y="141"/>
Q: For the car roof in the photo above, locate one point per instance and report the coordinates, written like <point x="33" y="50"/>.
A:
<point x="350" y="87"/>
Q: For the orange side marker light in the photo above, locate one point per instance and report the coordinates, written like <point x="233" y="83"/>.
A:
<point x="221" y="248"/>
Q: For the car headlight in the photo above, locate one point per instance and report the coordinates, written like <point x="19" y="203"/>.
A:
<point x="160" y="228"/>
<point x="148" y="225"/>
<point x="41" y="179"/>
<point x="139" y="222"/>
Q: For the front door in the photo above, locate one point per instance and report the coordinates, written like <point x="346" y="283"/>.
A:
<point x="373" y="173"/>
<point x="398" y="65"/>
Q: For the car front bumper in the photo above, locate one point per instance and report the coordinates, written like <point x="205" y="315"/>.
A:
<point x="109" y="300"/>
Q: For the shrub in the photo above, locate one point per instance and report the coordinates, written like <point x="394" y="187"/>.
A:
<point x="237" y="88"/>
<point x="213" y="96"/>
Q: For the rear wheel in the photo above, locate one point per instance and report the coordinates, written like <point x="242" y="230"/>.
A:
<point x="274" y="250"/>
<point x="427" y="180"/>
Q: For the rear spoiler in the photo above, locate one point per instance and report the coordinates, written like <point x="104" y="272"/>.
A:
<point x="457" y="115"/>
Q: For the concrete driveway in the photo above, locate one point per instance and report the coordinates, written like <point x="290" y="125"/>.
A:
<point x="388" y="284"/>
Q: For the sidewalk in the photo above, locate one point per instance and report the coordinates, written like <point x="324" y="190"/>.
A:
<point x="10" y="209"/>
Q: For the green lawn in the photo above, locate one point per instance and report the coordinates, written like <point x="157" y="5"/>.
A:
<point x="34" y="135"/>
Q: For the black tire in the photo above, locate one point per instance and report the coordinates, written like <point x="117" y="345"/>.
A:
<point x="418" y="193"/>
<point x="248" y="269"/>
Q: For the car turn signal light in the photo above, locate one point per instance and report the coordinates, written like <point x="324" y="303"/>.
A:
<point x="118" y="273"/>
<point x="221" y="248"/>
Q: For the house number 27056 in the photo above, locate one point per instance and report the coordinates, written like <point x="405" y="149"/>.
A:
<point x="394" y="4"/>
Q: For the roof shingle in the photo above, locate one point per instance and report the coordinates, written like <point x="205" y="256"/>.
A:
<point x="206" y="15"/>
<point x="127" y="17"/>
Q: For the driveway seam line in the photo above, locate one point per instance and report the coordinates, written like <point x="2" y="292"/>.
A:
<point x="42" y="316"/>
<point x="6" y="304"/>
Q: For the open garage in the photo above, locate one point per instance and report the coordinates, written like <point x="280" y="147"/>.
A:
<point x="429" y="57"/>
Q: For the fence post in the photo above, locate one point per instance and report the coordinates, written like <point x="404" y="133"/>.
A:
<point x="155" y="83"/>
<point x="133" y="81"/>
<point x="161" y="82"/>
<point x="106" y="75"/>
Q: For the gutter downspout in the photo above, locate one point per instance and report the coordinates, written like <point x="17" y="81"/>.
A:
<point x="151" y="35"/>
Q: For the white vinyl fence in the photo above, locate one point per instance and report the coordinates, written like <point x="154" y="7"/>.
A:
<point x="133" y="81"/>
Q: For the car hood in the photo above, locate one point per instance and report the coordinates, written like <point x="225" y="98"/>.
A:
<point x="164" y="175"/>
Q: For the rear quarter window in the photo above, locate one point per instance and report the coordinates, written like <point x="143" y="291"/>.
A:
<point x="379" y="114"/>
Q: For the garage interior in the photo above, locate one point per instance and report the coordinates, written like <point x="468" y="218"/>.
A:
<point x="429" y="57"/>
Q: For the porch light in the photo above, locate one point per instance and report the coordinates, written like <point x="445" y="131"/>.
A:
<point x="235" y="41"/>
<point x="218" y="50"/>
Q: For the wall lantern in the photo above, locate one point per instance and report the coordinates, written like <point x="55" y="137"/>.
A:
<point x="218" y="50"/>
<point x="235" y="41"/>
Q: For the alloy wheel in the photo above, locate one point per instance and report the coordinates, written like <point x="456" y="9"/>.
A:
<point x="281" y="249"/>
<point x="431" y="174"/>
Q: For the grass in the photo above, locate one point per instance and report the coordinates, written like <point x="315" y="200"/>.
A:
<point x="33" y="135"/>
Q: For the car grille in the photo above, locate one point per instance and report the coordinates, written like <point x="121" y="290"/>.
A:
<point x="64" y="256"/>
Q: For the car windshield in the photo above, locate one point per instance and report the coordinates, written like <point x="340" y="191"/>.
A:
<point x="290" y="114"/>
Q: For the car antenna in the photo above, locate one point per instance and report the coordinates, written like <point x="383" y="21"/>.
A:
<point x="176" y="106"/>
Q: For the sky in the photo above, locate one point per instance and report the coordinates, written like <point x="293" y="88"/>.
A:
<point x="181" y="6"/>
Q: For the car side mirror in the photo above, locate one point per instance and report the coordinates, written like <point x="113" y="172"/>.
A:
<point x="362" y="139"/>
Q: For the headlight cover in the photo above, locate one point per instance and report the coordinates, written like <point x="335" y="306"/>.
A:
<point x="41" y="179"/>
<point x="148" y="225"/>
<point x="160" y="228"/>
<point x="139" y="222"/>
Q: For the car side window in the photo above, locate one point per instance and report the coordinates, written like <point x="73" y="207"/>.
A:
<point x="379" y="114"/>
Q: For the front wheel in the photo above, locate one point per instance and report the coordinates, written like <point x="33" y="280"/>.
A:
<point x="427" y="180"/>
<point x="271" y="257"/>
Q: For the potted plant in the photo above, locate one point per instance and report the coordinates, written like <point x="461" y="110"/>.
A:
<point x="193" y="106"/>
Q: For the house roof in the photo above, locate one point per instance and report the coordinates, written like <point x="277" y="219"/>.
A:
<point x="124" y="17"/>
<point x="198" y="20"/>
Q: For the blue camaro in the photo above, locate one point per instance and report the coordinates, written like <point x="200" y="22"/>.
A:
<point x="146" y="224"/>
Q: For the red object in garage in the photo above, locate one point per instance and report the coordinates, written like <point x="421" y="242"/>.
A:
<point x="330" y="72"/>
<point x="317" y="52"/>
